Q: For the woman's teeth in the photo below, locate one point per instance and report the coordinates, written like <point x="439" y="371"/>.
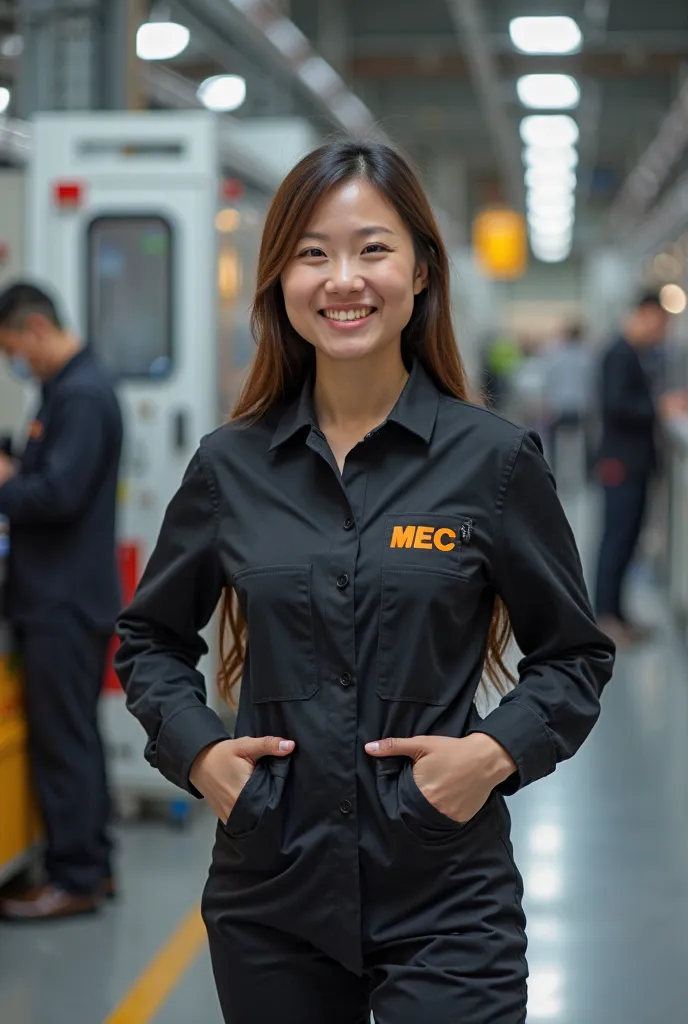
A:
<point x="348" y="314"/>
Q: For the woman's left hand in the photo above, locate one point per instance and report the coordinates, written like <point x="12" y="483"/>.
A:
<point x="455" y="775"/>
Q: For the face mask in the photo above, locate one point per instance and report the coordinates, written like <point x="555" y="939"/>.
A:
<point x="20" y="368"/>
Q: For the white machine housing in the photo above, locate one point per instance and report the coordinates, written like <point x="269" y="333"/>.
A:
<point x="122" y="227"/>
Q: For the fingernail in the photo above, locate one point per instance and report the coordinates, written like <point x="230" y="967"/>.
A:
<point x="372" y="748"/>
<point x="286" y="744"/>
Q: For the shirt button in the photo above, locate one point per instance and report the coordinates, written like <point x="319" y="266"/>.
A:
<point x="348" y="523"/>
<point x="342" y="581"/>
<point x="345" y="679"/>
<point x="345" y="807"/>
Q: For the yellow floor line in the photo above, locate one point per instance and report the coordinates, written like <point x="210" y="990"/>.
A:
<point x="162" y="974"/>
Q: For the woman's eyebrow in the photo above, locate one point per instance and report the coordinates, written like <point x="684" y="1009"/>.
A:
<point x="373" y="229"/>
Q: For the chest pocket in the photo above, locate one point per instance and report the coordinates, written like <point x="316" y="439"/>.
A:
<point x="280" y="662"/>
<point x="423" y="591"/>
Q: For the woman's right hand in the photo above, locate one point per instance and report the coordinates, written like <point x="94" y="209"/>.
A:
<point x="221" y="771"/>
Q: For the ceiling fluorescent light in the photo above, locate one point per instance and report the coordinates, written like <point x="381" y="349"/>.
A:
<point x="161" y="40"/>
<point x="551" y="131"/>
<point x="5" y="96"/>
<point x="551" y="196"/>
<point x="545" y="35"/>
<point x="549" y="224"/>
<point x="222" y="93"/>
<point x="673" y="299"/>
<point x="546" y="256"/>
<point x="548" y="92"/>
<point x="546" y="177"/>
<point x="561" y="158"/>
<point x="553" y="240"/>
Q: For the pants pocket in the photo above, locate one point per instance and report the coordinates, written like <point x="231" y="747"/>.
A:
<point x="403" y="801"/>
<point x="262" y="793"/>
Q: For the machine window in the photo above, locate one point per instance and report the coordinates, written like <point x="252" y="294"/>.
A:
<point x="130" y="295"/>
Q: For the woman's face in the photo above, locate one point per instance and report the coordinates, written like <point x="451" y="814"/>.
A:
<point x="350" y="284"/>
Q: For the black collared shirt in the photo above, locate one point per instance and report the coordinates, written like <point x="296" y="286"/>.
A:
<point x="368" y="597"/>
<point x="61" y="505"/>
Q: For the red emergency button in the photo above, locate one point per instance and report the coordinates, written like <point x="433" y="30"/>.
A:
<point x="68" y="194"/>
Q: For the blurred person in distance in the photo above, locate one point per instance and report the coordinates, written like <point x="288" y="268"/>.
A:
<point x="62" y="593"/>
<point x="567" y="381"/>
<point x="627" y="459"/>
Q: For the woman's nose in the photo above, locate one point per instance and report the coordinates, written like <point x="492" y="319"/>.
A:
<point x="344" y="279"/>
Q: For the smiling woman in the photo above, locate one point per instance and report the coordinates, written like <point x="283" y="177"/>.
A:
<point x="367" y="526"/>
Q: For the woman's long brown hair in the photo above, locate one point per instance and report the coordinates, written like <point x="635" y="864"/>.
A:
<point x="284" y="360"/>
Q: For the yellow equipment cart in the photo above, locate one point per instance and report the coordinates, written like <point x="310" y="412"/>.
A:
<point x="19" y="827"/>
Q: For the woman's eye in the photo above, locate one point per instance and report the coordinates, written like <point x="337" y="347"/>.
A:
<point x="312" y="253"/>
<point x="375" y="247"/>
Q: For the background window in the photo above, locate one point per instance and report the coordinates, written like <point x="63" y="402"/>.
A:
<point x="130" y="294"/>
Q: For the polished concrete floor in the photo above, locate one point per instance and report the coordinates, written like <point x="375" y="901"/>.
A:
<point x="602" y="845"/>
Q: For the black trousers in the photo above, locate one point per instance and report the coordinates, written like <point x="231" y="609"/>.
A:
<point x="624" y="508"/>
<point x="63" y="673"/>
<point x="263" y="975"/>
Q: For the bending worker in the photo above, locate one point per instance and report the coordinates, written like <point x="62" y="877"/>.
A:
<point x="370" y="530"/>
<point x="63" y="593"/>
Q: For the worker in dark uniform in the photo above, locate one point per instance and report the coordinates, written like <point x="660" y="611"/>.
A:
<point x="63" y="593"/>
<point x="631" y="407"/>
<point x="369" y="528"/>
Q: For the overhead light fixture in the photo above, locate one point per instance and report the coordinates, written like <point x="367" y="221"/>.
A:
<point x="560" y="158"/>
<point x="560" y="217"/>
<point x="553" y="236"/>
<point x="5" y="97"/>
<point x="550" y="131"/>
<point x="161" y="40"/>
<point x="12" y="45"/>
<point x="545" y="35"/>
<point x="558" y="224"/>
<point x="673" y="299"/>
<point x="548" y="92"/>
<point x="545" y="176"/>
<point x="227" y="220"/>
<point x="222" y="93"/>
<point x="551" y="253"/>
<point x="551" y="194"/>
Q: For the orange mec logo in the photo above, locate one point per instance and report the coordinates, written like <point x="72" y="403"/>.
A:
<point x="425" y="537"/>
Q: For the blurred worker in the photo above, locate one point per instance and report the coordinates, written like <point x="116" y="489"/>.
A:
<point x="361" y="518"/>
<point x="628" y="454"/>
<point x="63" y="593"/>
<point x="567" y="391"/>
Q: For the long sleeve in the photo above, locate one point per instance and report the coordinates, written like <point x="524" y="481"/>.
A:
<point x="624" y="403"/>
<point x="74" y="460"/>
<point x="567" y="659"/>
<point x="160" y="631"/>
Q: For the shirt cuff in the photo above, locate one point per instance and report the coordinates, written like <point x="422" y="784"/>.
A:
<point x="182" y="737"/>
<point x="526" y="739"/>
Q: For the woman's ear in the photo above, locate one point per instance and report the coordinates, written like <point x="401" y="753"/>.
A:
<point x="420" y="279"/>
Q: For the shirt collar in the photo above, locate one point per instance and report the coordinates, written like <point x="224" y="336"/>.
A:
<point x="415" y="410"/>
<point x="81" y="356"/>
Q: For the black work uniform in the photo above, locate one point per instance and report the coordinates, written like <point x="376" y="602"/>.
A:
<point x="63" y="598"/>
<point x="627" y="460"/>
<point x="336" y="887"/>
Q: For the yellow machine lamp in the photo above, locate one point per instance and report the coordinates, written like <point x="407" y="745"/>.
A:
<point x="500" y="243"/>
